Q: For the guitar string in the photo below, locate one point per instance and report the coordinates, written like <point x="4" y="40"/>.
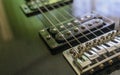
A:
<point x="58" y="20"/>
<point x="64" y="17"/>
<point x="66" y="28"/>
<point x="48" y="10"/>
<point x="73" y="16"/>
<point x="70" y="16"/>
<point x="81" y="52"/>
<point x="84" y="12"/>
<point x="71" y="47"/>
<point x="72" y="24"/>
<point x="94" y="26"/>
<point x="94" y="34"/>
<point x="100" y="31"/>
<point x="61" y="23"/>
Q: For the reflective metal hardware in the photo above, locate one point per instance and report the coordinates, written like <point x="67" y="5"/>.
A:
<point x="83" y="27"/>
<point x="99" y="50"/>
<point x="76" y="29"/>
<point x="88" y="16"/>
<point x="53" y="30"/>
<point x="62" y="27"/>
<point x="60" y="36"/>
<point x="76" y="21"/>
<point x="81" y="19"/>
<point x="91" y="71"/>
<point x="83" y="62"/>
<point x="91" y="55"/>
<point x="69" y="24"/>
<point x="48" y="37"/>
<point x="116" y="42"/>
<point x="73" y="52"/>
<point x="101" y="66"/>
<point x="110" y="62"/>
<point x="81" y="47"/>
<point x="117" y="37"/>
<point x="69" y="33"/>
<point x="109" y="47"/>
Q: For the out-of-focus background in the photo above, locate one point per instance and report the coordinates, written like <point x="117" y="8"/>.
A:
<point x="22" y="52"/>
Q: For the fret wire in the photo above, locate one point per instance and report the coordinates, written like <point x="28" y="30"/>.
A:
<point x="54" y="26"/>
<point x="60" y="22"/>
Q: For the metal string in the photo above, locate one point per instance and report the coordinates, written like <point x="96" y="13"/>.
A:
<point x="55" y="27"/>
<point x="52" y="24"/>
<point x="73" y="16"/>
<point x="62" y="24"/>
<point x="72" y="24"/>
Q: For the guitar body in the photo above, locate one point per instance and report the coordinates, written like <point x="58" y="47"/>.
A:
<point x="25" y="53"/>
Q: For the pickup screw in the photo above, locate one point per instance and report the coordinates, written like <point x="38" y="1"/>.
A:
<point x="76" y="21"/>
<point x="82" y="27"/>
<point x="62" y="27"/>
<point x="76" y="29"/>
<point x="68" y="33"/>
<point x="110" y="62"/>
<point x="54" y="30"/>
<point x="88" y="16"/>
<point x="69" y="24"/>
<point x="48" y="37"/>
<point x="81" y="19"/>
<point x="91" y="71"/>
<point x="89" y="24"/>
<point x="101" y="66"/>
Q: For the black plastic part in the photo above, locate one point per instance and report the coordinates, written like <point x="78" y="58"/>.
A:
<point x="65" y="46"/>
<point x="36" y="12"/>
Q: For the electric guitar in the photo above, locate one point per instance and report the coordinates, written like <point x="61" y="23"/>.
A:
<point x="43" y="29"/>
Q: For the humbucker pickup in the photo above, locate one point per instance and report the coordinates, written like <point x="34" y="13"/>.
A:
<point x="97" y="57"/>
<point x="83" y="29"/>
<point x="31" y="6"/>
